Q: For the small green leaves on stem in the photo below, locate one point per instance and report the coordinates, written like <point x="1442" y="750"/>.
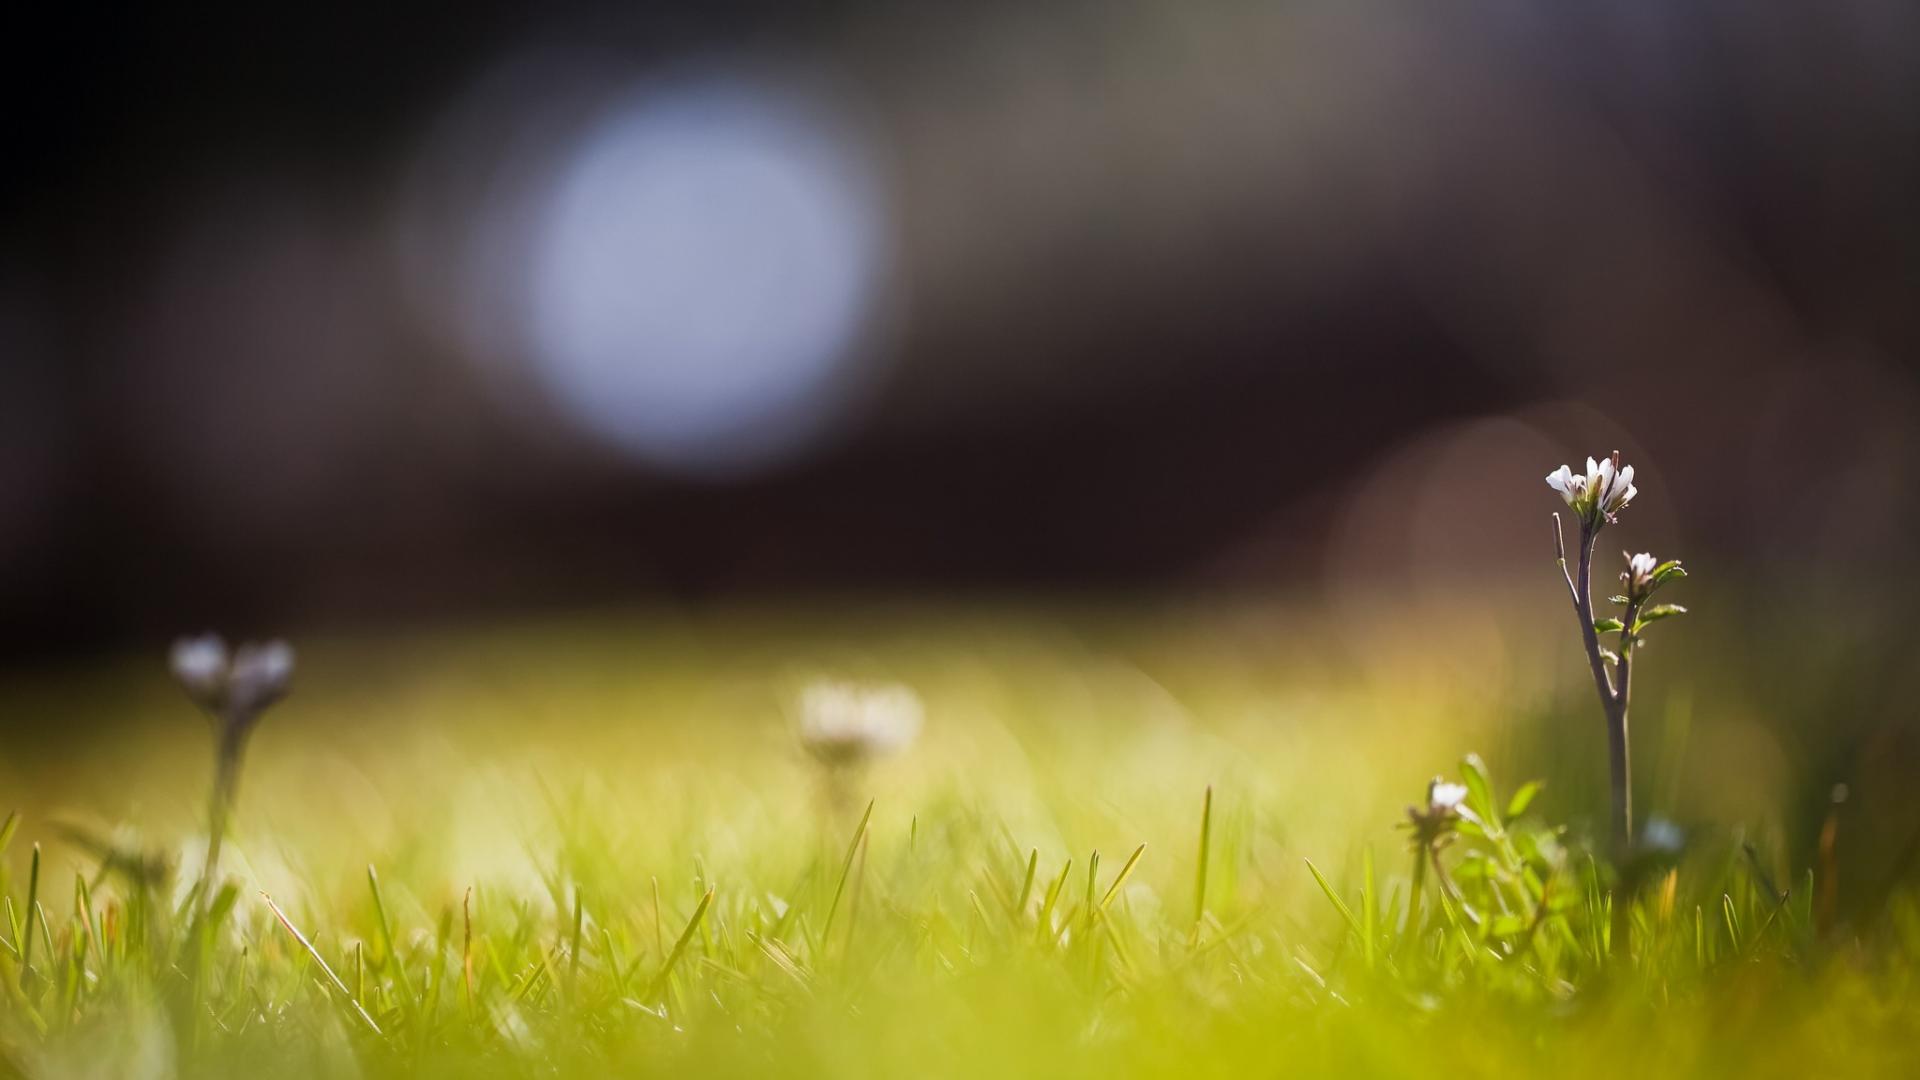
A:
<point x="1656" y="613"/>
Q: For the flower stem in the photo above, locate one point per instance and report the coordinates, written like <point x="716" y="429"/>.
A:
<point x="1613" y="703"/>
<point x="226" y="784"/>
<point x="1414" y="894"/>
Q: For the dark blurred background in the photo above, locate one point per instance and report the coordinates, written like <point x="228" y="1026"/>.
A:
<point x="320" y="316"/>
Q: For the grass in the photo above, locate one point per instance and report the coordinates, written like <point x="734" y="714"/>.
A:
<point x="1130" y="842"/>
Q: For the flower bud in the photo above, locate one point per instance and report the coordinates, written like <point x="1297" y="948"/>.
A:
<point x="1639" y="574"/>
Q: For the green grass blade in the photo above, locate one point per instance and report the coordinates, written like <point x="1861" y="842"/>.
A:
<point x="1201" y="864"/>
<point x="322" y="961"/>
<point x="33" y="909"/>
<point x="386" y="939"/>
<point x="679" y="946"/>
<point x="846" y="869"/>
<point x="1333" y="897"/>
<point x="1120" y="879"/>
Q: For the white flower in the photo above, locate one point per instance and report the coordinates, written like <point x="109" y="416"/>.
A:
<point x="844" y="723"/>
<point x="235" y="687"/>
<point x="1597" y="494"/>
<point x="1443" y="797"/>
<point x="1640" y="570"/>
<point x="1614" y="490"/>
<point x="1571" y="486"/>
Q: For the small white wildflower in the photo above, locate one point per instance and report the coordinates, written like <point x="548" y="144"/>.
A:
<point x="1614" y="490"/>
<point x="1571" y="486"/>
<point x="1442" y="796"/>
<point x="845" y="723"/>
<point x="1597" y="494"/>
<point x="1639" y="573"/>
<point x="1640" y="567"/>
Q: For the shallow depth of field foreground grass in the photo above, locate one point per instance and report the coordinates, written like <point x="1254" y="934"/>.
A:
<point x="598" y="849"/>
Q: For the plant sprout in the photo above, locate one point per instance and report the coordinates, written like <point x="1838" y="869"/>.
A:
<point x="1596" y="498"/>
<point x="234" y="691"/>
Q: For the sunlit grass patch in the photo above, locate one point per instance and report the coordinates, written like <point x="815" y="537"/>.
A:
<point x="603" y="846"/>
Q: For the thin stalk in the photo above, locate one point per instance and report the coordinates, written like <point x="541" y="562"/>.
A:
<point x="1613" y="703"/>
<point x="1414" y="893"/>
<point x="226" y="785"/>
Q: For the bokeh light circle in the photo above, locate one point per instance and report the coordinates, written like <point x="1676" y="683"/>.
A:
<point x="703" y="267"/>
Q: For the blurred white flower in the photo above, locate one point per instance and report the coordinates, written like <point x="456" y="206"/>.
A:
<point x="843" y="723"/>
<point x="236" y="687"/>
<point x="1442" y="796"/>
<point x="260" y="676"/>
<point x="1661" y="836"/>
<point x="200" y="665"/>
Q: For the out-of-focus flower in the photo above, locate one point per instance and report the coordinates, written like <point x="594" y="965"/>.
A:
<point x="1444" y="796"/>
<point x="1661" y="837"/>
<point x="200" y="666"/>
<point x="261" y="675"/>
<point x="1433" y="824"/>
<point x="234" y="688"/>
<point x="844" y="723"/>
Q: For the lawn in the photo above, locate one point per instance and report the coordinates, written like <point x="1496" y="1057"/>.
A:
<point x="1133" y="837"/>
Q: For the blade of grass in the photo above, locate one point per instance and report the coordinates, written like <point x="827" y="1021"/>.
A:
<point x="1339" y="905"/>
<point x="386" y="939"/>
<point x="466" y="944"/>
<point x="322" y="961"/>
<point x="1026" y="886"/>
<point x="1120" y="879"/>
<point x="1044" y="924"/>
<point x="1200" y="870"/>
<point x="1367" y="907"/>
<point x="573" y="961"/>
<point x="846" y="868"/>
<point x="33" y="909"/>
<point x="680" y="946"/>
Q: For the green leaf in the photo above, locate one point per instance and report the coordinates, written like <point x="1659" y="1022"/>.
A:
<point x="1608" y="626"/>
<point x="1522" y="798"/>
<point x="1617" y="598"/>
<point x="1658" y="612"/>
<point x="1669" y="569"/>
<point x="1479" y="789"/>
